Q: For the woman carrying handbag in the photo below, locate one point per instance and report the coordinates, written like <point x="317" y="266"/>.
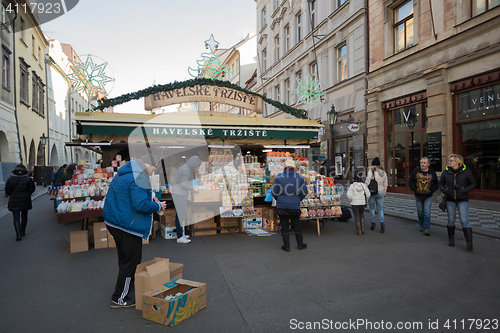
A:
<point x="19" y="188"/>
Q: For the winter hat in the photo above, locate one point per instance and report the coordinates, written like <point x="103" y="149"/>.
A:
<point x="321" y="157"/>
<point x="20" y="170"/>
<point x="289" y="163"/>
<point x="376" y="162"/>
<point x="150" y="159"/>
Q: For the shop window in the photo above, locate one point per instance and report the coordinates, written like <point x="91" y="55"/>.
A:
<point x="403" y="26"/>
<point x="342" y="62"/>
<point x="481" y="6"/>
<point x="478" y="103"/>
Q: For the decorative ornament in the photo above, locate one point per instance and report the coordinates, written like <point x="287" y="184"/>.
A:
<point x="309" y="92"/>
<point x="89" y="77"/>
<point x="210" y="66"/>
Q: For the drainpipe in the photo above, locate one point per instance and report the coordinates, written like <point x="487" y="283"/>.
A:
<point x="367" y="69"/>
<point x="15" y="87"/>
<point x="47" y="104"/>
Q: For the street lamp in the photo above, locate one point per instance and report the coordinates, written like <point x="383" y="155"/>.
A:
<point x="332" y="119"/>
<point x="43" y="142"/>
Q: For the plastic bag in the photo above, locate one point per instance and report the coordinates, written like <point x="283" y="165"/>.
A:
<point x="269" y="196"/>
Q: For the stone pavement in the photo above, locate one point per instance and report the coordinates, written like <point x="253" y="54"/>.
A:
<point x="484" y="217"/>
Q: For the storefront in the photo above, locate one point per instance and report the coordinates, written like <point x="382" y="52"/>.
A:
<point x="406" y="139"/>
<point x="476" y="131"/>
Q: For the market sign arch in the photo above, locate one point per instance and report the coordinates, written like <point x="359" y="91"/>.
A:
<point x="186" y="91"/>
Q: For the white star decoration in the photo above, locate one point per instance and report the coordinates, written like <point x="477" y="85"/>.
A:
<point x="309" y="92"/>
<point x="89" y="77"/>
<point x="212" y="43"/>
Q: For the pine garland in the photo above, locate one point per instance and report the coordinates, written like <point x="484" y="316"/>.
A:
<point x="106" y="103"/>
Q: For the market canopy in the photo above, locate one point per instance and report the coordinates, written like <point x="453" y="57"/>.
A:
<point x="191" y="126"/>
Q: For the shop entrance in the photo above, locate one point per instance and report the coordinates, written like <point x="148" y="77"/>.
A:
<point x="343" y="158"/>
<point x="406" y="144"/>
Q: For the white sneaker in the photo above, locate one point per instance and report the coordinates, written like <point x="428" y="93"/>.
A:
<point x="183" y="240"/>
<point x="186" y="236"/>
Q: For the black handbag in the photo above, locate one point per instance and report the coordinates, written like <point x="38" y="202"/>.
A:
<point x="373" y="186"/>
<point x="442" y="204"/>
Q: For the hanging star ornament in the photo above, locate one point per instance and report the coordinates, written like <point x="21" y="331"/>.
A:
<point x="89" y="77"/>
<point x="212" y="44"/>
<point x="309" y="92"/>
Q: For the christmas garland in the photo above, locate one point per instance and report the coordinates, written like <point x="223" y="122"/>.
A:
<point x="106" y="103"/>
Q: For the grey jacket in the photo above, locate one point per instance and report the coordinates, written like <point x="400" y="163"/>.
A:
<point x="184" y="176"/>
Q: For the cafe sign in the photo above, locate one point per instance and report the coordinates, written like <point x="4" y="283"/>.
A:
<point x="204" y="93"/>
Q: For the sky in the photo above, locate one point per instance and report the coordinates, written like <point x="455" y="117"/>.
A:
<point x="151" y="40"/>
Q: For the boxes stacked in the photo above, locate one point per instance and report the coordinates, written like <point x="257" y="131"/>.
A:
<point x="167" y="224"/>
<point x="204" y="220"/>
<point x="100" y="235"/>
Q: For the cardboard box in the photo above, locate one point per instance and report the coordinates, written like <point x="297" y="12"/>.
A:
<point x="252" y="223"/>
<point x="100" y="230"/>
<point x="168" y="218"/>
<point x="145" y="241"/>
<point x="173" y="311"/>
<point x="210" y="223"/>
<point x="111" y="241"/>
<point x="230" y="222"/>
<point x="229" y="231"/>
<point x="168" y="232"/>
<point x="101" y="243"/>
<point x="258" y="211"/>
<point x="156" y="227"/>
<point x="152" y="274"/>
<point x="204" y="232"/>
<point x="206" y="196"/>
<point x="79" y="241"/>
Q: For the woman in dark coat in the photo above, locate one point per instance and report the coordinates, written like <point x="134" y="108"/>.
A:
<point x="68" y="173"/>
<point x="456" y="182"/>
<point x="19" y="188"/>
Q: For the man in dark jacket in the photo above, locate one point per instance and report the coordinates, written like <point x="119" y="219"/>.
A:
<point x="289" y="188"/>
<point x="128" y="210"/>
<point x="19" y="188"/>
<point x="327" y="168"/>
<point x="59" y="174"/>
<point x="183" y="184"/>
<point x="68" y="173"/>
<point x="423" y="182"/>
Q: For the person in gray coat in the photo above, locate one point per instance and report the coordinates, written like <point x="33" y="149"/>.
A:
<point x="183" y="184"/>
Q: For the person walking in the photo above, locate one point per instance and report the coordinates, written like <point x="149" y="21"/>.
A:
<point x="358" y="195"/>
<point x="59" y="174"/>
<point x="423" y="182"/>
<point x="378" y="174"/>
<point x="68" y="173"/>
<point x="456" y="183"/>
<point x="128" y="215"/>
<point x="183" y="183"/>
<point x="289" y="188"/>
<point x="19" y="189"/>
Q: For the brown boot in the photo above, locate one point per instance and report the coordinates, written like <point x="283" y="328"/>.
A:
<point x="362" y="226"/>
<point x="358" y="228"/>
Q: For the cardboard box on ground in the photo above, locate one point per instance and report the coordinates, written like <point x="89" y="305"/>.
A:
<point x="152" y="274"/>
<point x="170" y="312"/>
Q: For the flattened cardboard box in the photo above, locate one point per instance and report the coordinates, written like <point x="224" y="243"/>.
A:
<point x="171" y="312"/>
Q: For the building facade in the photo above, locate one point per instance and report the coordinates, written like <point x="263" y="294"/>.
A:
<point x="310" y="41"/>
<point x="434" y="88"/>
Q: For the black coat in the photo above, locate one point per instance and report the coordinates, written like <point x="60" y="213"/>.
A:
<point x="59" y="174"/>
<point x="456" y="184"/>
<point x="423" y="183"/>
<point x="327" y="169"/>
<point x="19" y="189"/>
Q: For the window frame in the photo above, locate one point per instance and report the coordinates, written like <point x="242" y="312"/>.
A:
<point x="287" y="38"/>
<point x="313" y="13"/>
<point x="402" y="22"/>
<point x="263" y="14"/>
<point x="277" y="47"/>
<point x="298" y="26"/>
<point x="24" y="82"/>
<point x="486" y="7"/>
<point x="6" y="71"/>
<point x="313" y="70"/>
<point x="340" y="60"/>
<point x="287" y="91"/>
<point x="264" y="59"/>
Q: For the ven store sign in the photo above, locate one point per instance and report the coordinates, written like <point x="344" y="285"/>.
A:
<point x="204" y="93"/>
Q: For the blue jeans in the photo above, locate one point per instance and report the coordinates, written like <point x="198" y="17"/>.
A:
<point x="180" y="203"/>
<point x="463" y="213"/>
<point x="424" y="211"/>
<point x="377" y="199"/>
<point x="21" y="217"/>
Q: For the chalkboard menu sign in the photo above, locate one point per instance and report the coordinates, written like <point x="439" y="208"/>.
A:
<point x="434" y="152"/>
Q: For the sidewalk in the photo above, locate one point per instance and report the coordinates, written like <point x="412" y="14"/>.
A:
<point x="484" y="217"/>
<point x="39" y="191"/>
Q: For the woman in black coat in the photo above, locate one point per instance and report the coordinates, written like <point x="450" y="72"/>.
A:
<point x="19" y="188"/>
<point x="456" y="182"/>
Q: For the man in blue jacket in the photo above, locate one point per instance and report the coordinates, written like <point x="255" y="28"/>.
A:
<point x="289" y="188"/>
<point x="128" y="210"/>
